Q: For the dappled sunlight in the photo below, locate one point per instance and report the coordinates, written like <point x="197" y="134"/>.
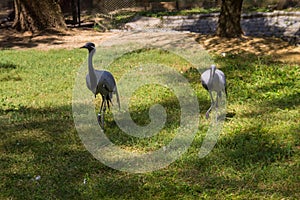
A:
<point x="69" y="39"/>
<point x="275" y="47"/>
<point x="256" y="155"/>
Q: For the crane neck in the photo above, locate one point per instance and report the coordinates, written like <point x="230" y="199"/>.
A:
<point x="92" y="74"/>
<point x="90" y="60"/>
<point x="212" y="74"/>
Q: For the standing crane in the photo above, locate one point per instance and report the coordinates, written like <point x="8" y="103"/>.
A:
<point x="100" y="82"/>
<point x="214" y="79"/>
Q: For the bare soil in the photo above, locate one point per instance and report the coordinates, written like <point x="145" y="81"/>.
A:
<point x="279" y="49"/>
<point x="74" y="38"/>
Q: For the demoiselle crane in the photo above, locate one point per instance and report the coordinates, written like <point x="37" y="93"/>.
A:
<point x="214" y="79"/>
<point x="100" y="82"/>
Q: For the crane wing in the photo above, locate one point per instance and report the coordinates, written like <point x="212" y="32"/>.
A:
<point x="107" y="79"/>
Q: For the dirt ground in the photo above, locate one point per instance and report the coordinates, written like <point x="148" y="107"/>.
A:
<point x="74" y="38"/>
<point x="281" y="50"/>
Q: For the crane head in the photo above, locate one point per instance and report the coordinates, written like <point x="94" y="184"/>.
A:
<point x="90" y="46"/>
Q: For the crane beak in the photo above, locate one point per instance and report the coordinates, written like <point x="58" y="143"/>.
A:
<point x="83" y="47"/>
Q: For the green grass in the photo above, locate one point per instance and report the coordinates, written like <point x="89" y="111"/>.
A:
<point x="256" y="157"/>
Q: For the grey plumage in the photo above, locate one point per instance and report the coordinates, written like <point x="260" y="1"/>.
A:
<point x="214" y="79"/>
<point x="100" y="82"/>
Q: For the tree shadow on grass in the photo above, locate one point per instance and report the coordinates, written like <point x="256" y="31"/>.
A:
<point x="254" y="145"/>
<point x="244" y="161"/>
<point x="288" y="101"/>
<point x="7" y="66"/>
<point x="140" y="117"/>
<point x="42" y="156"/>
<point x="42" y="142"/>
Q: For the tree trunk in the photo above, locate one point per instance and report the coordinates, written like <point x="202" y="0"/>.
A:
<point x="38" y="15"/>
<point x="218" y="2"/>
<point x="283" y="4"/>
<point x="78" y="12"/>
<point x="74" y="12"/>
<point x="230" y="18"/>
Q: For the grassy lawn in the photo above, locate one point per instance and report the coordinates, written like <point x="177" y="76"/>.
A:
<point x="256" y="157"/>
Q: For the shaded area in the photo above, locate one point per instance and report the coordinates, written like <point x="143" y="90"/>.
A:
<point x="255" y="145"/>
<point x="283" y="25"/>
<point x="140" y="116"/>
<point x="52" y="151"/>
<point x="73" y="173"/>
<point x="7" y="66"/>
<point x="273" y="24"/>
<point x="11" y="38"/>
<point x="71" y="38"/>
<point x="245" y="159"/>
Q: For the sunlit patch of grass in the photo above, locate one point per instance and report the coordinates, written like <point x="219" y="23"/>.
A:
<point x="256" y="157"/>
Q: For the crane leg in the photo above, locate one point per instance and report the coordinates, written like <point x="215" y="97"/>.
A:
<point x="101" y="113"/>
<point x="219" y="96"/>
<point x="207" y="112"/>
<point x="211" y="106"/>
<point x="217" y="100"/>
